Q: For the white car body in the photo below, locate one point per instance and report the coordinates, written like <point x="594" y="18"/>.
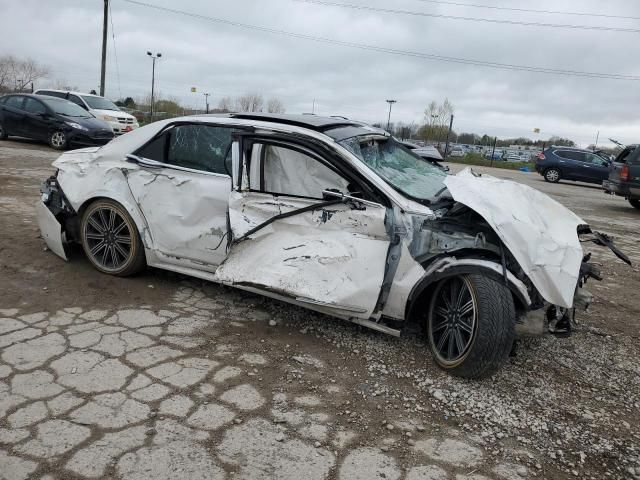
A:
<point x="457" y="152"/>
<point x="359" y="260"/>
<point x="119" y="121"/>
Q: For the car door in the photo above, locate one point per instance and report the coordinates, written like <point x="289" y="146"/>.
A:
<point x="13" y="115"/>
<point x="295" y="240"/>
<point x="570" y="163"/>
<point x="182" y="187"/>
<point x="36" y="119"/>
<point x="596" y="168"/>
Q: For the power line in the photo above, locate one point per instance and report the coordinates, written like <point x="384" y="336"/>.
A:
<point x="529" y="10"/>
<point x="393" y="51"/>
<point x="115" y="53"/>
<point x="470" y="19"/>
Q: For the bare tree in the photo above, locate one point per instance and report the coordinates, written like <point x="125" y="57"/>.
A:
<point x="63" y="84"/>
<point x="275" y="105"/>
<point x="437" y="118"/>
<point x="16" y="74"/>
<point x="226" y="104"/>
<point x="251" y="102"/>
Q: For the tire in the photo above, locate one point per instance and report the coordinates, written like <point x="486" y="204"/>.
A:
<point x="58" y="140"/>
<point x="483" y="334"/>
<point x="110" y="239"/>
<point x="552" y="175"/>
<point x="635" y="203"/>
<point x="3" y="133"/>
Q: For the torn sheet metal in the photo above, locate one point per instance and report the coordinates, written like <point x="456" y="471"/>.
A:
<point x="50" y="229"/>
<point x="333" y="258"/>
<point x="185" y="212"/>
<point x="540" y="233"/>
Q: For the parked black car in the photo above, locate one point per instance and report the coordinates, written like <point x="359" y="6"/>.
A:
<point x="566" y="163"/>
<point x="624" y="176"/>
<point x="54" y="120"/>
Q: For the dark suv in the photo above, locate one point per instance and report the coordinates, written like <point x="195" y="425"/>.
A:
<point x="566" y="163"/>
<point x="624" y="176"/>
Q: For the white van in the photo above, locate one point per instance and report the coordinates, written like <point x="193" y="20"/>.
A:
<point x="103" y="108"/>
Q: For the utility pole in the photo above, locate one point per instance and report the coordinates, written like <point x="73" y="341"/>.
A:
<point x="105" y="26"/>
<point x="390" y="102"/>
<point x="313" y="107"/>
<point x="446" y="146"/>
<point x="597" y="138"/>
<point x="153" y="78"/>
<point x="495" y="140"/>
<point x="206" y="100"/>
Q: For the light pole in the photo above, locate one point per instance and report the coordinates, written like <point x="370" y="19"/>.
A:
<point x="153" y="77"/>
<point x="390" y="102"/>
<point x="206" y="100"/>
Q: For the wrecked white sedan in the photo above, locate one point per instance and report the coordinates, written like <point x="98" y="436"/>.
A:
<point x="332" y="215"/>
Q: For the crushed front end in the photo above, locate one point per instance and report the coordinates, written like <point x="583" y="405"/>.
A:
<point x="56" y="217"/>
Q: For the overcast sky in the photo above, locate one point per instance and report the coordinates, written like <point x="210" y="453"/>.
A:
<point x="229" y="60"/>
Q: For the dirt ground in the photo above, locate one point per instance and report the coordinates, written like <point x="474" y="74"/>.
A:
<point x="164" y="376"/>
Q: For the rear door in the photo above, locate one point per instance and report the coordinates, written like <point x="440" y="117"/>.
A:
<point x="619" y="162"/>
<point x="13" y="115"/>
<point x="182" y="187"/>
<point x="571" y="164"/>
<point x="293" y="241"/>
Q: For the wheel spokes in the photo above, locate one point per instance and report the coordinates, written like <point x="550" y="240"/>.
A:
<point x="452" y="320"/>
<point x="94" y="223"/>
<point x="108" y="238"/>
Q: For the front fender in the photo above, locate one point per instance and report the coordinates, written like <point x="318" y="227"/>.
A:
<point x="81" y="189"/>
<point x="451" y="266"/>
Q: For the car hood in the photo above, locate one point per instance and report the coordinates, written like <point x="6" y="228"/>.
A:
<point x="540" y="233"/>
<point x="91" y="123"/>
<point x="112" y="113"/>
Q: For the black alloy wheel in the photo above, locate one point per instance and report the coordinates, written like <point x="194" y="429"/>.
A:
<point x="110" y="239"/>
<point x="452" y="320"/>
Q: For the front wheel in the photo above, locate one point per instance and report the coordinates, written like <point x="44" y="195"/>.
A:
<point x="110" y="239"/>
<point x="3" y="133"/>
<point x="58" y="140"/>
<point x="635" y="203"/>
<point x="471" y="325"/>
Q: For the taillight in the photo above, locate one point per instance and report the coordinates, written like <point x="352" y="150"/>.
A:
<point x="625" y="174"/>
<point x="541" y="156"/>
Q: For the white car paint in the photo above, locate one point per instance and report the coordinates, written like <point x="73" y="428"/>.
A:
<point x="538" y="231"/>
<point x="182" y="231"/>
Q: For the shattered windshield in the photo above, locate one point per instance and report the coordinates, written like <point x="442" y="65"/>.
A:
<point x="404" y="171"/>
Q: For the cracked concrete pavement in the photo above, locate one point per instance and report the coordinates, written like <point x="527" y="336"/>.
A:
<point x="162" y="376"/>
<point x="145" y="393"/>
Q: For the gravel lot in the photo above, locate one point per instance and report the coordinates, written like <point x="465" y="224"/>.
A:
<point x="166" y="377"/>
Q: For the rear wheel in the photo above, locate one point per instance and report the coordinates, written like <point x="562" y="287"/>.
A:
<point x="552" y="175"/>
<point x="111" y="240"/>
<point x="58" y="140"/>
<point x="635" y="203"/>
<point x="471" y="325"/>
<point x="3" y="133"/>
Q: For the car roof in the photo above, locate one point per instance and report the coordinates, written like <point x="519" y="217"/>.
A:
<point x="68" y="91"/>
<point x="313" y="122"/>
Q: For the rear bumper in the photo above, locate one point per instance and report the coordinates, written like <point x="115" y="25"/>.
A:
<point x="615" y="188"/>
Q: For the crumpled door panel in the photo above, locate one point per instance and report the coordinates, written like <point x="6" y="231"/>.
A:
<point x="332" y="257"/>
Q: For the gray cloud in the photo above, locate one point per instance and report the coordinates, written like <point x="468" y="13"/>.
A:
<point x="226" y="60"/>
